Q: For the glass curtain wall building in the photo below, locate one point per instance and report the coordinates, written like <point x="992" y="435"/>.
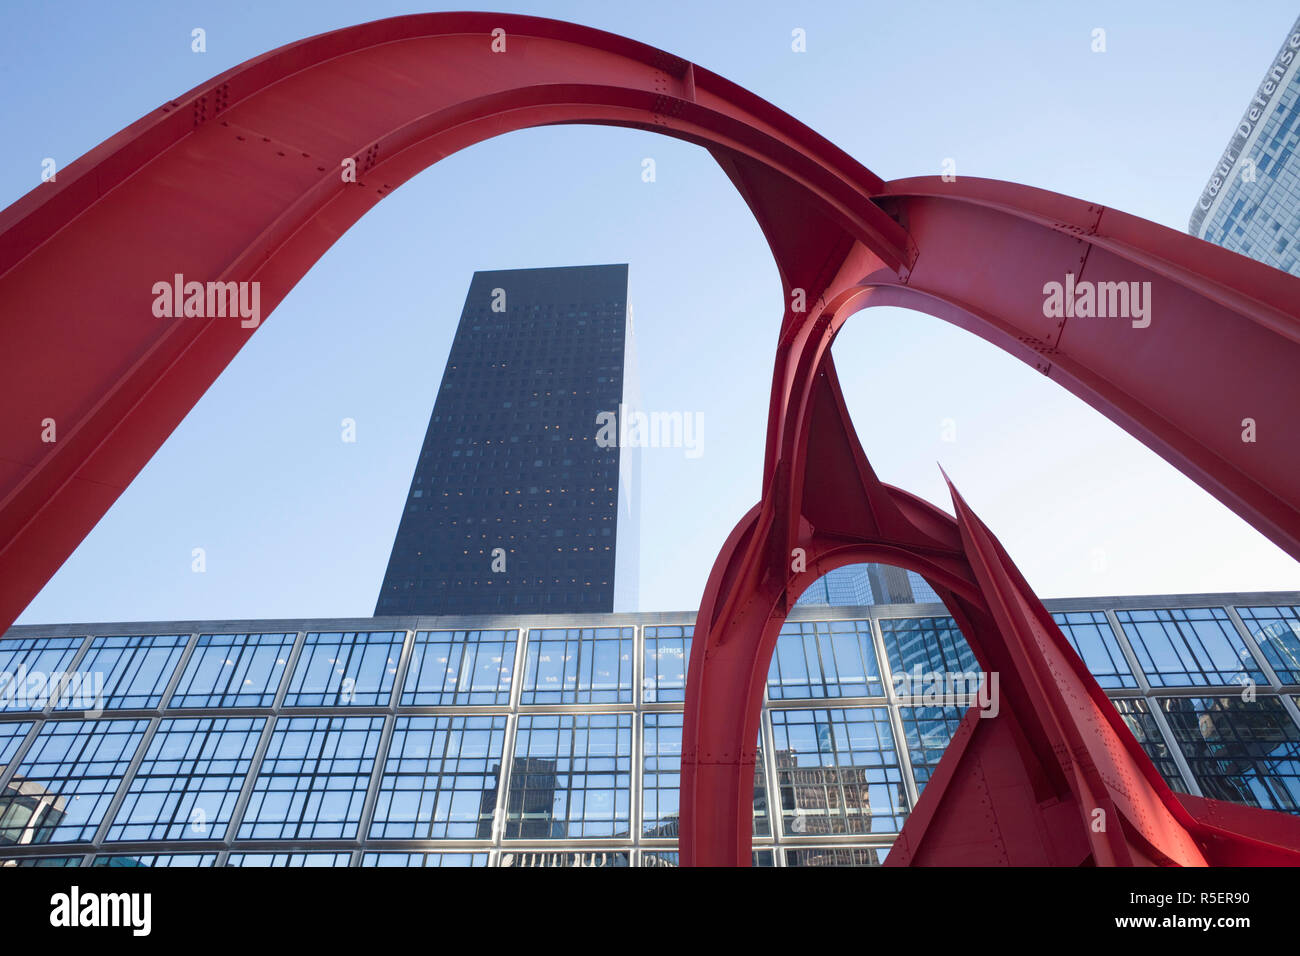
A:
<point x="555" y="740"/>
<point x="515" y="506"/>
<point x="1251" y="204"/>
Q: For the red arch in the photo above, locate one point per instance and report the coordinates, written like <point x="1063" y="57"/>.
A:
<point x="238" y="180"/>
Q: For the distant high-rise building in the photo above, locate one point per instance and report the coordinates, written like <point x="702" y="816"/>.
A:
<point x="514" y="505"/>
<point x="1251" y="204"/>
<point x="859" y="585"/>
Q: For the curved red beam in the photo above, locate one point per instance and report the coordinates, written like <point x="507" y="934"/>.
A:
<point x="1027" y="784"/>
<point x="239" y="181"/>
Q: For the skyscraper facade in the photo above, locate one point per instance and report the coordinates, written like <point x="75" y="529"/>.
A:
<point x="514" y="505"/>
<point x="859" y="585"/>
<point x="1251" y="204"/>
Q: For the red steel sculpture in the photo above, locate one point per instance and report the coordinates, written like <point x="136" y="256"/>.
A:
<point x="239" y="181"/>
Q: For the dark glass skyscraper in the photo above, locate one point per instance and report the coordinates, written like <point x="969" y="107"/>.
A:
<point x="514" y="505"/>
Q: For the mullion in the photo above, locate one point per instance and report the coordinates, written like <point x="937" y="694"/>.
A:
<point x="1202" y="662"/>
<point x="350" y="648"/>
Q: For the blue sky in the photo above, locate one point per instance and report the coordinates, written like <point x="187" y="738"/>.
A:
<point x="296" y="522"/>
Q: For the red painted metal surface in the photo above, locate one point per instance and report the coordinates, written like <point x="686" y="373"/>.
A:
<point x="239" y="180"/>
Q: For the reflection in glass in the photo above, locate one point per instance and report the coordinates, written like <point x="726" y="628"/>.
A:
<point x="313" y="779"/>
<point x="837" y="771"/>
<point x="667" y="655"/>
<point x="424" y="859"/>
<point x="1180" y="647"/>
<point x="1242" y="751"/>
<point x="1137" y="715"/>
<point x="1093" y="639"/>
<point x="927" y="731"/>
<point x="40" y="861"/>
<point x="28" y="666"/>
<point x="589" y="665"/>
<point x="158" y="860"/>
<point x="836" y="856"/>
<point x="1277" y="632"/>
<point x="12" y="734"/>
<point x="289" y="859"/>
<point x="661" y="778"/>
<point x="134" y="670"/>
<point x="352" y="669"/>
<point x="588" y="858"/>
<point x="234" y="670"/>
<point x="64" y="784"/>
<point x="824" y="659"/>
<point x="440" y="778"/>
<point x="935" y="645"/>
<point x="189" y="780"/>
<point x="460" y="667"/>
<point x="671" y="858"/>
<point x="571" y="776"/>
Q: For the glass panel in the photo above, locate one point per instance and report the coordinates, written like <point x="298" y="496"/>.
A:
<point x="1245" y="752"/>
<point x="1093" y="639"/>
<point x="134" y="670"/>
<point x="837" y="771"/>
<point x="762" y="822"/>
<point x="352" y="669"/>
<point x="922" y="593"/>
<point x="12" y="734"/>
<point x="671" y="858"/>
<point x="158" y="860"/>
<point x="65" y="783"/>
<point x="313" y="780"/>
<point x="40" y="861"/>
<point x="667" y="655"/>
<point x="824" y="659"/>
<point x="571" y="777"/>
<point x="927" y="731"/>
<point x="424" y="859"/>
<point x="289" y="859"/>
<point x="440" y="779"/>
<point x="836" y="856"/>
<point x="189" y="780"/>
<point x="234" y="670"/>
<point x="1277" y="631"/>
<point x="1179" y="647"/>
<point x="919" y="646"/>
<point x="460" y="667"/>
<point x="1137" y="715"/>
<point x="603" y="858"/>
<point x="848" y="586"/>
<point x="30" y="667"/>
<point x="856" y="585"/>
<point x="578" y="666"/>
<point x="662" y="774"/>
